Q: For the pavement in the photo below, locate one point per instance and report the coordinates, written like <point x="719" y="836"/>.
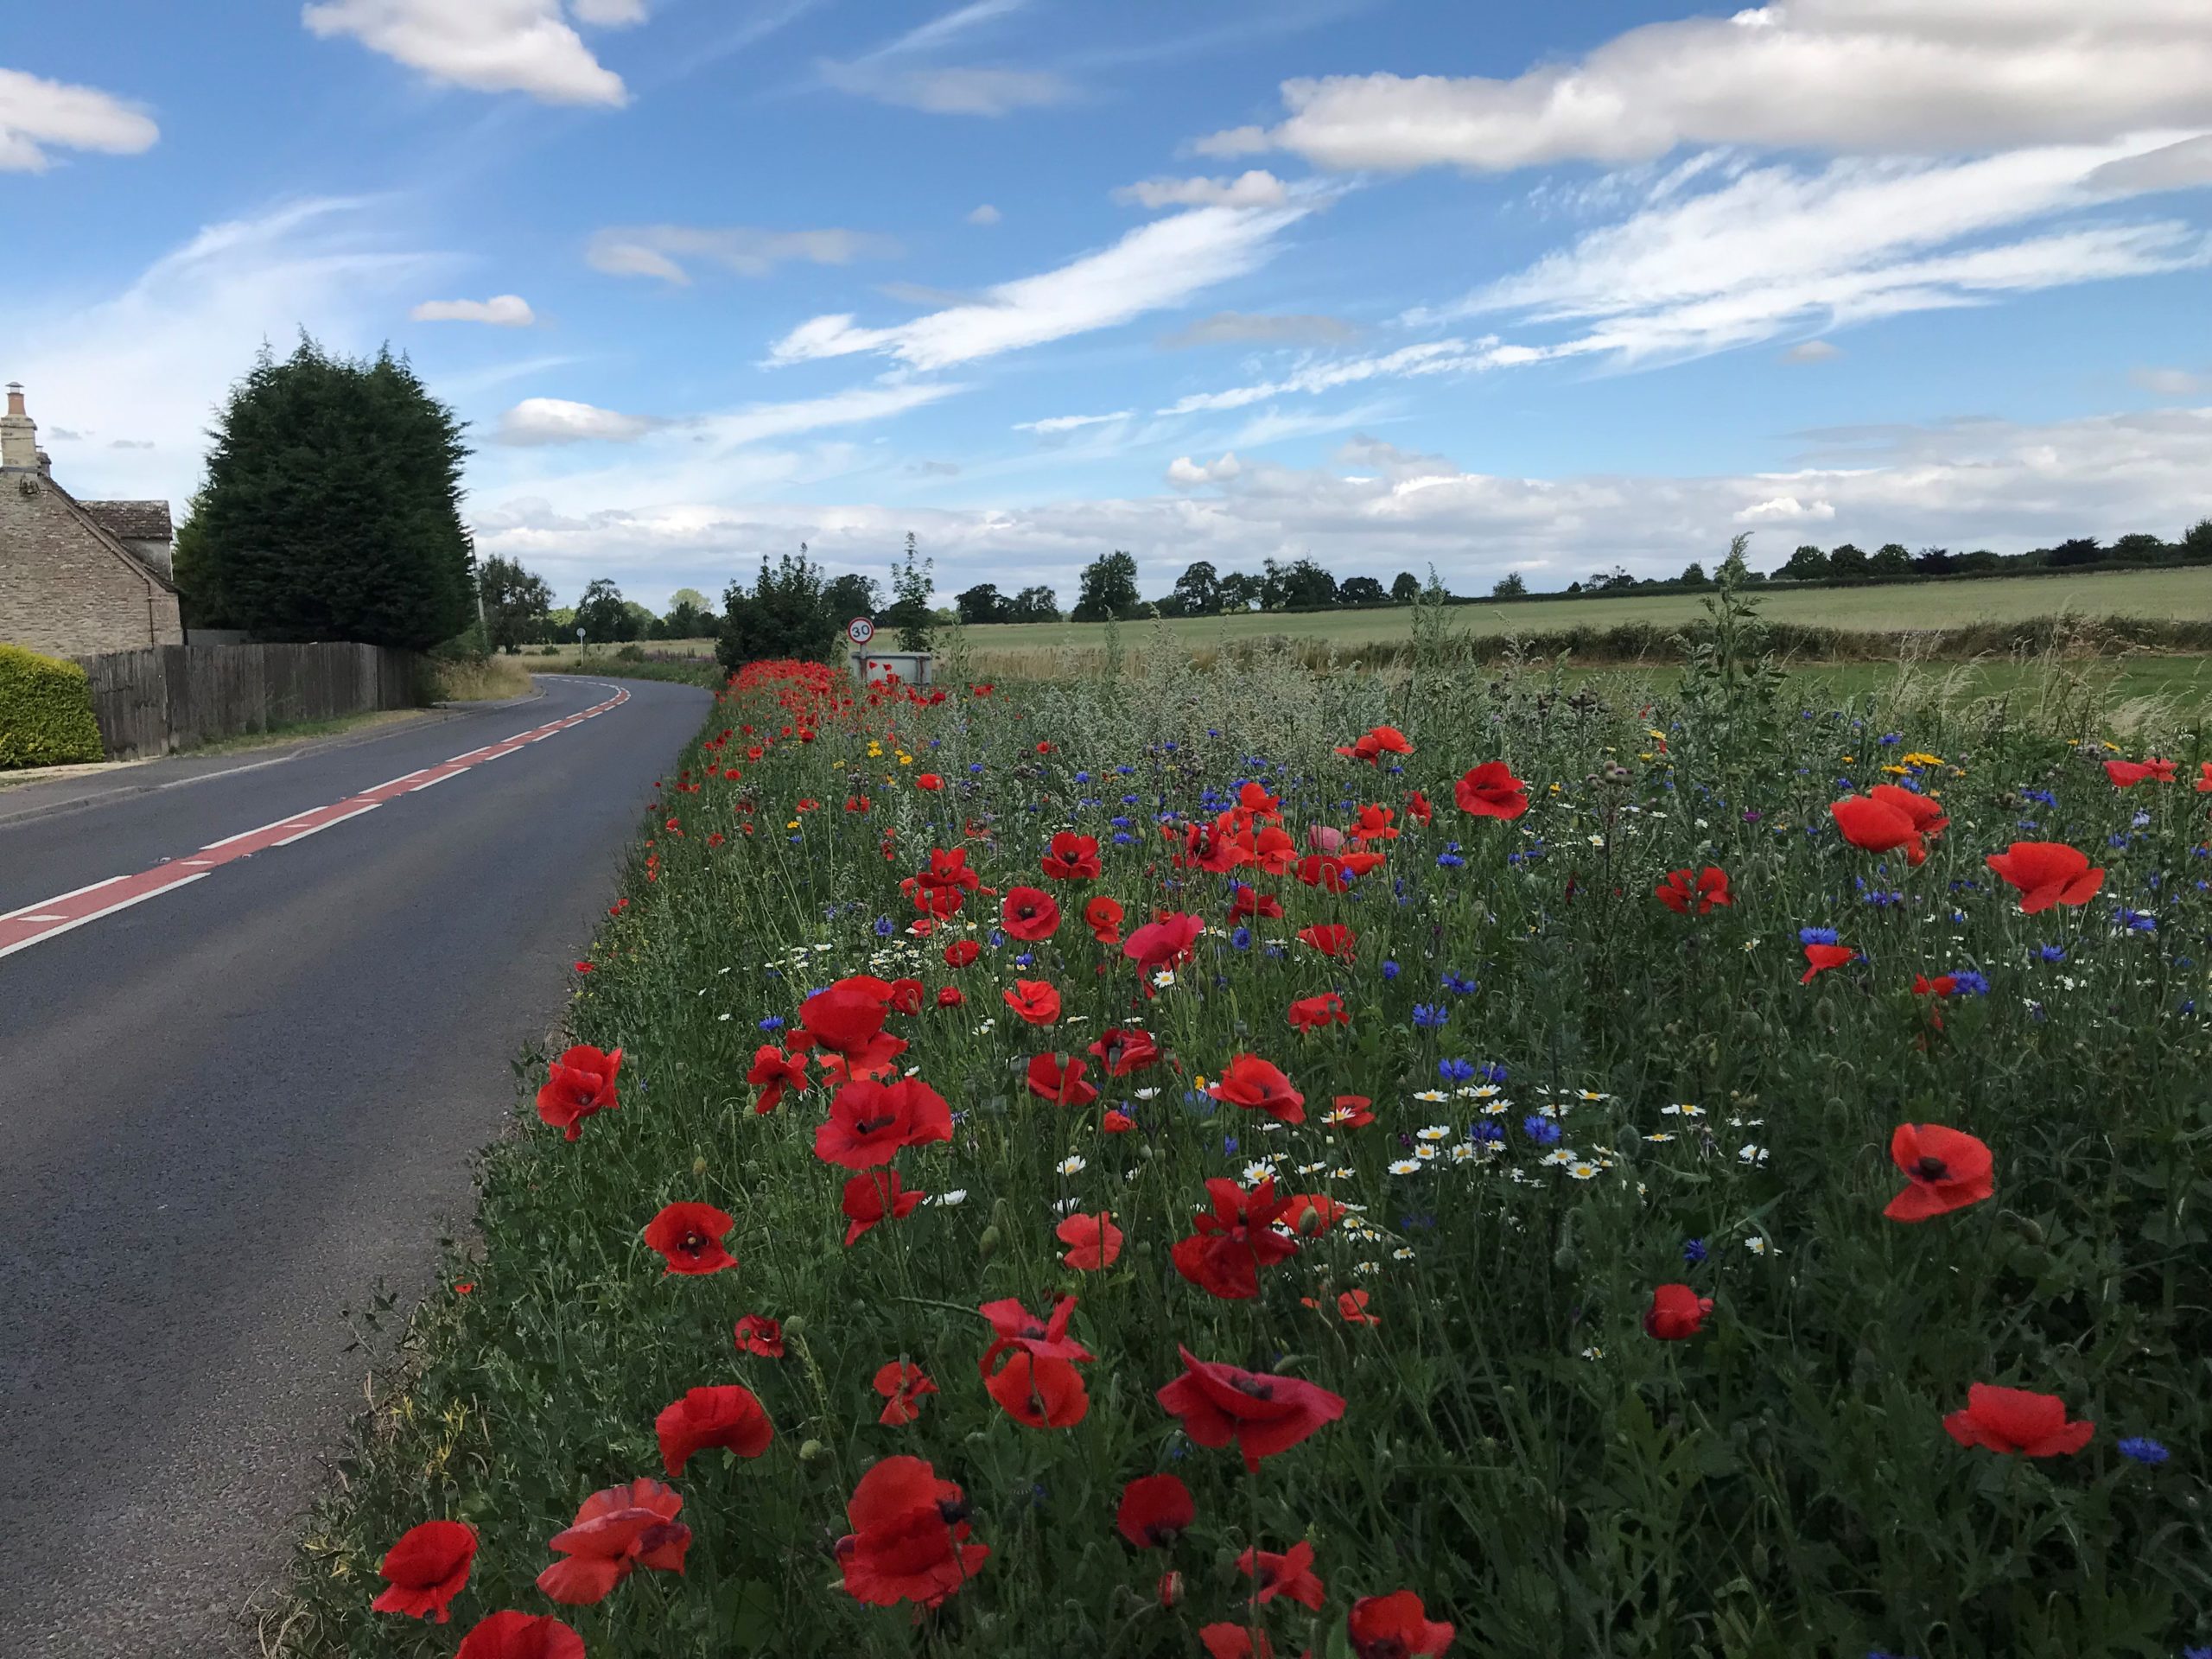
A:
<point x="246" y="1104"/>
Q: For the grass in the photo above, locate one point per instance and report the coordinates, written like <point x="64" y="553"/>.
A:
<point x="485" y="679"/>
<point x="1514" y="1447"/>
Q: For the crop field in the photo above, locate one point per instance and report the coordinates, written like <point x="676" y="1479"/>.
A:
<point x="1353" y="1168"/>
<point x="2183" y="594"/>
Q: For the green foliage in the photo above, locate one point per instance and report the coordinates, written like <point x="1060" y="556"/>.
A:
<point x="787" y="614"/>
<point x="1511" y="585"/>
<point x="605" y="616"/>
<point x="983" y="603"/>
<point x="851" y="595"/>
<point x="1405" y="587"/>
<point x="517" y="604"/>
<point x="1038" y="604"/>
<point x="46" y="712"/>
<point x="912" y="584"/>
<point x="1109" y="589"/>
<point x="331" y="509"/>
<point x="688" y="618"/>
<point x="196" y="601"/>
<point x="2196" y="545"/>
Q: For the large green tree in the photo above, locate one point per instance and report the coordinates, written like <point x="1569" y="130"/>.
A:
<point x="787" y="614"/>
<point x="517" y="604"/>
<point x="604" y="616"/>
<point x="332" y="506"/>
<point x="1109" y="589"/>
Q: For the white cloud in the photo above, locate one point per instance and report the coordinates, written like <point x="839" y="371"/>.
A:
<point x="490" y="46"/>
<point x="1978" y="483"/>
<point x="1879" y="76"/>
<point x="1248" y="328"/>
<point x="950" y="90"/>
<point x="609" y="14"/>
<point x="1784" y="510"/>
<point x="2186" y="165"/>
<point x="1188" y="473"/>
<point x="151" y="360"/>
<point x="1428" y="358"/>
<point x="1771" y="249"/>
<point x="35" y="114"/>
<point x="1069" y="423"/>
<point x="2171" y="383"/>
<point x="1255" y="188"/>
<point x="658" y="250"/>
<point x="501" y="310"/>
<point x="1813" y="351"/>
<point x="555" y="420"/>
<point x="1157" y="265"/>
<point x="985" y="214"/>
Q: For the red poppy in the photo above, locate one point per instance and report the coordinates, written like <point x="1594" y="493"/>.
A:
<point x="1352" y="1308"/>
<point x="689" y="1238"/>
<point x="1154" y="1510"/>
<point x="1947" y="1170"/>
<point x="1331" y="940"/>
<point x="1888" y="817"/>
<point x="773" y="1072"/>
<point x="1035" y="1001"/>
<point x="948" y="997"/>
<point x="880" y="1195"/>
<point x="2047" y="873"/>
<point x="1263" y="1412"/>
<point x="1383" y="740"/>
<point x="846" y="1019"/>
<point x="961" y="952"/>
<point x="1094" y="1241"/>
<point x="578" y="1085"/>
<point x="426" y="1569"/>
<point x="1322" y="870"/>
<point x="1942" y="985"/>
<point x="1274" y="851"/>
<point x="520" y="1635"/>
<point x="1312" y="1214"/>
<point x="1705" y="889"/>
<point x="868" y="1122"/>
<point x="727" y="1415"/>
<point x="1419" y="810"/>
<point x="1235" y="1240"/>
<point x="1350" y="1111"/>
<point x="939" y="889"/>
<point x="2125" y="774"/>
<point x="1676" y="1311"/>
<point x="2016" y="1420"/>
<point x="1117" y="1121"/>
<point x="1311" y="1013"/>
<point x="1059" y="1078"/>
<point x="1490" y="790"/>
<point x="1029" y="915"/>
<point x="1818" y="959"/>
<point x="1290" y="1574"/>
<point x="1102" y="916"/>
<point x="908" y="1542"/>
<point x="1072" y="858"/>
<point x="1246" y="902"/>
<point x="1037" y="1384"/>
<point x="1235" y="1642"/>
<point x="905" y="996"/>
<point x="2204" y="778"/>
<point x="616" y="1532"/>
<point x="1214" y="847"/>
<point x="1375" y="823"/>
<point x="1166" y="943"/>
<point x="1257" y="1086"/>
<point x="1121" y="1053"/>
<point x="757" y="1333"/>
<point x="902" y="1385"/>
<point x="1395" y="1626"/>
<point x="928" y="781"/>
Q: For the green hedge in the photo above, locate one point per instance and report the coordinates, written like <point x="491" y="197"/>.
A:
<point x="46" y="712"/>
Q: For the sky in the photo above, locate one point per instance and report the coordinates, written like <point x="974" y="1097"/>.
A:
<point x="1393" y="284"/>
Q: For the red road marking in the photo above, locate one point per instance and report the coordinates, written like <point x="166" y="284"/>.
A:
<point x="20" y="929"/>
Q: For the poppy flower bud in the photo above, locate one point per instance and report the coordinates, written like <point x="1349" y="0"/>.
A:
<point x="1170" y="1589"/>
<point x="987" y="1245"/>
<point x="698" y="1165"/>
<point x="811" y="1451"/>
<point x="795" y="1325"/>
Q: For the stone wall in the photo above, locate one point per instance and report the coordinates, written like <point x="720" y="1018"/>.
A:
<point x="62" y="589"/>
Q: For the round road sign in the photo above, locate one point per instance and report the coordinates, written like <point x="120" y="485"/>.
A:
<point x="860" y="630"/>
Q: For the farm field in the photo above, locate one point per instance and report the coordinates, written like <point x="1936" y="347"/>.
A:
<point x="1097" y="1167"/>
<point x="2179" y="594"/>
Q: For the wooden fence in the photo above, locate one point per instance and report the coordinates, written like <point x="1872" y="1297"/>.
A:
<point x="176" y="696"/>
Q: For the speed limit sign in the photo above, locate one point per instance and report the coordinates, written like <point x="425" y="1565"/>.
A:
<point x="860" y="630"/>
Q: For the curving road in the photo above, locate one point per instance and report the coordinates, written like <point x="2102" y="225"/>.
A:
<point x="234" y="1106"/>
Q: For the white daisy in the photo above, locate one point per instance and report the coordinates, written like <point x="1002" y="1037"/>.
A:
<point x="1432" y="1095"/>
<point x="1751" y="1153"/>
<point x="1405" y="1167"/>
<point x="1074" y="1163"/>
<point x="1436" y="1132"/>
<point x="1582" y="1170"/>
<point x="946" y="1200"/>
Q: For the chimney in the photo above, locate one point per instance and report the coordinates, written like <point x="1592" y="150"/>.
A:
<point x="18" y="434"/>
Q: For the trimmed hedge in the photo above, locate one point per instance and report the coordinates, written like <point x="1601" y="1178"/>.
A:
<point x="46" y="712"/>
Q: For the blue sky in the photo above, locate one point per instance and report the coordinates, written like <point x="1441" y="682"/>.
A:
<point x="1391" y="284"/>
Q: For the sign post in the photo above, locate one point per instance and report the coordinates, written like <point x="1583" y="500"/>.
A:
<point x="860" y="630"/>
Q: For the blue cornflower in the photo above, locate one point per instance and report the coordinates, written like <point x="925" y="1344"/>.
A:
<point x="1453" y="862"/>
<point x="1390" y="971"/>
<point x="1693" y="1251"/>
<point x="1816" y="936"/>
<point x="1229" y="1146"/>
<point x="2041" y="796"/>
<point x="1890" y="739"/>
<point x="975" y="768"/>
<point x="1541" y="1130"/>
<point x="1457" y="985"/>
<point x="1492" y="1071"/>
<point x="1455" y="1071"/>
<point x="1486" y="1132"/>
<point x="997" y="939"/>
<point x="1430" y="1015"/>
<point x="2139" y="921"/>
<point x="774" y="1022"/>
<point x="885" y="927"/>
<point x="1024" y="960"/>
<point x="1082" y="777"/>
<point x="1123" y="838"/>
<point x="2144" y="1451"/>
<point x="1968" y="981"/>
<point x="2052" y="953"/>
<point x="1242" y="938"/>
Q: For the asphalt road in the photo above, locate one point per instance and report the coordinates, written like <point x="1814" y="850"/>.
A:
<point x="234" y="1110"/>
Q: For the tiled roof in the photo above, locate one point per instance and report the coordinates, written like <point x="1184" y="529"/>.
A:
<point x="132" y="521"/>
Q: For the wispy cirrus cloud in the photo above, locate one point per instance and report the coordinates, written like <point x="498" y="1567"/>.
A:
<point x="669" y="252"/>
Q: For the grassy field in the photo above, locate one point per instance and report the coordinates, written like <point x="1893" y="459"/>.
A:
<point x="2181" y="595"/>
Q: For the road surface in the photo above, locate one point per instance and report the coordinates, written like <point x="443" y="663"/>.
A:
<point x="234" y="1105"/>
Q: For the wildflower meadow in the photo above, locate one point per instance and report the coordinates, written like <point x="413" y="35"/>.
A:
<point x="1357" y="1165"/>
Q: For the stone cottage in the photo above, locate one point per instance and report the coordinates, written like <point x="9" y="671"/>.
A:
<point x="77" y="578"/>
